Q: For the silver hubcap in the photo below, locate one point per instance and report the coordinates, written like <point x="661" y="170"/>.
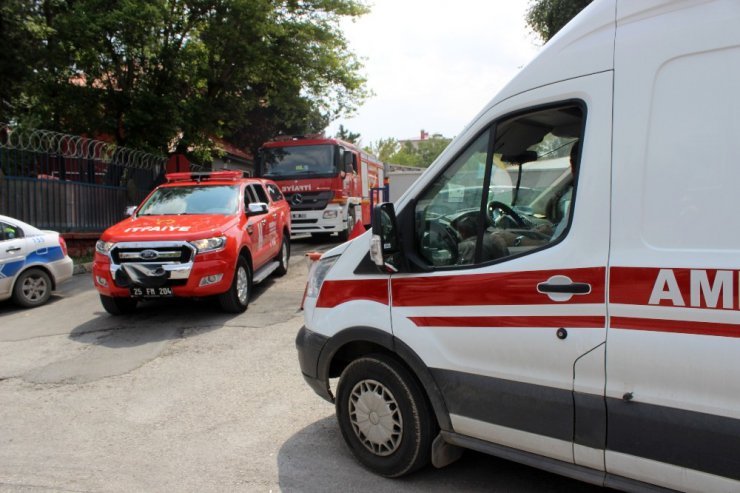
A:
<point x="285" y="255"/>
<point x="242" y="286"/>
<point x="375" y="417"/>
<point x="34" y="288"/>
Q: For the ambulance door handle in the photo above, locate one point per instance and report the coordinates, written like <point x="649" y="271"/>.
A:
<point x="13" y="249"/>
<point x="572" y="288"/>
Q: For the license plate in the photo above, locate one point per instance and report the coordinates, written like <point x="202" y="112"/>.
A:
<point x="163" y="292"/>
<point x="299" y="215"/>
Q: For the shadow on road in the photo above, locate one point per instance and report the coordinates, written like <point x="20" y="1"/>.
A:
<point x="316" y="459"/>
<point x="158" y="320"/>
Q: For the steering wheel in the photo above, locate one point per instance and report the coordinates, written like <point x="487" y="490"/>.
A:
<point x="449" y="237"/>
<point x="505" y="210"/>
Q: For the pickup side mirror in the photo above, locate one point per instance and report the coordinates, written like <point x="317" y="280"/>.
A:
<point x="385" y="251"/>
<point x="130" y="210"/>
<point x="256" y="209"/>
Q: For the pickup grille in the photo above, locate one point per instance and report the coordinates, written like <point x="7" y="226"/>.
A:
<point x="157" y="254"/>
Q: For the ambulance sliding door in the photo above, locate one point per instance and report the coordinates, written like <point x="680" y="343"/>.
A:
<point x="673" y="392"/>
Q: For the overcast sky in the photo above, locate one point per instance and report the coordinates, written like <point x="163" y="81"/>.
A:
<point x="433" y="64"/>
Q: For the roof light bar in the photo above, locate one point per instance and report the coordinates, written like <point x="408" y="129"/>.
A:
<point x="201" y="176"/>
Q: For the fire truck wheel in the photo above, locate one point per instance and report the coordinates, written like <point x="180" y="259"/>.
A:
<point x="283" y="257"/>
<point x="236" y="299"/>
<point x="384" y="416"/>
<point x="344" y="235"/>
<point x="32" y="288"/>
<point x="118" y="306"/>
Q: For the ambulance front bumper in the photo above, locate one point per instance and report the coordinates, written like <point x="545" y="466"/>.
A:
<point x="310" y="345"/>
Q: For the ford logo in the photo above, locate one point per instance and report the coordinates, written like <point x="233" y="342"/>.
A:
<point x="149" y="254"/>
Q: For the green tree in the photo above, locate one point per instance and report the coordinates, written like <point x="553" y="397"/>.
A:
<point x="419" y="153"/>
<point x="383" y="149"/>
<point x="347" y="136"/>
<point x="547" y="17"/>
<point x="154" y="74"/>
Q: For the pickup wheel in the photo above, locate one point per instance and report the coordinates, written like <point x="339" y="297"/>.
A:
<point x="118" y="306"/>
<point x="384" y="416"/>
<point x="32" y="288"/>
<point x="236" y="299"/>
<point x="283" y="257"/>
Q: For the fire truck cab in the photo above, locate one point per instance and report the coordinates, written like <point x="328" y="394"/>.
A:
<point x="327" y="182"/>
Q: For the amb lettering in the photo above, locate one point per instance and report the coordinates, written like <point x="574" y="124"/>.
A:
<point x="158" y="229"/>
<point x="696" y="289"/>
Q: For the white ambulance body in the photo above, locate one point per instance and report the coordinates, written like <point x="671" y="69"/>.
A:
<point x="589" y="324"/>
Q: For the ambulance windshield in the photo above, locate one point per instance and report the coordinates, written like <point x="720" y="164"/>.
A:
<point x="207" y="199"/>
<point x="299" y="161"/>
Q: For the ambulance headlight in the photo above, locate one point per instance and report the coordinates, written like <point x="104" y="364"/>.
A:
<point x="317" y="274"/>
<point x="209" y="244"/>
<point x="103" y="246"/>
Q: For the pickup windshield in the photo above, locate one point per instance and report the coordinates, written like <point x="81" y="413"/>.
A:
<point x="203" y="199"/>
<point x="289" y="161"/>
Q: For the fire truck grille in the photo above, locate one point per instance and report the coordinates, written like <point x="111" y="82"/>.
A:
<point x="309" y="201"/>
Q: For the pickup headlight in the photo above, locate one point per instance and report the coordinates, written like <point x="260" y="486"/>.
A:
<point x="103" y="246"/>
<point x="209" y="244"/>
<point x="317" y="274"/>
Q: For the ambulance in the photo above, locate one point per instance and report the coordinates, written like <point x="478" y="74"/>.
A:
<point x="560" y="288"/>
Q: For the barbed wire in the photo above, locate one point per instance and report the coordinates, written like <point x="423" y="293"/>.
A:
<point x="78" y="147"/>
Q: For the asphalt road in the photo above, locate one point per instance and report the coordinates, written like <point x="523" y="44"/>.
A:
<point x="181" y="397"/>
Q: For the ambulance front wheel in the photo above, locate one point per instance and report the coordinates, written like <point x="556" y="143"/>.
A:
<point x="384" y="416"/>
<point x="118" y="306"/>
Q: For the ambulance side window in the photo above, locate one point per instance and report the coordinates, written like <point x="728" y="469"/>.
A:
<point x="507" y="199"/>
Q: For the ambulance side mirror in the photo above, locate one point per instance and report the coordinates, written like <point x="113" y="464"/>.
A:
<point x="385" y="251"/>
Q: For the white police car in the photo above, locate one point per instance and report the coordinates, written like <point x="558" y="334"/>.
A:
<point x="32" y="262"/>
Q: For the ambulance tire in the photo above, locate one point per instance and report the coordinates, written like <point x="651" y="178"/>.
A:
<point x="118" y="306"/>
<point x="376" y="394"/>
<point x="283" y="257"/>
<point x="32" y="288"/>
<point x="236" y="299"/>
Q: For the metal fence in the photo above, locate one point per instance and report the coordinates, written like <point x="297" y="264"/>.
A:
<point x="70" y="183"/>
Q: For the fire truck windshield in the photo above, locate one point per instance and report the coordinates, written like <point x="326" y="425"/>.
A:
<point x="290" y="161"/>
<point x="205" y="199"/>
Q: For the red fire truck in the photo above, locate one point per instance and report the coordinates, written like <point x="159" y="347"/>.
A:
<point x="327" y="182"/>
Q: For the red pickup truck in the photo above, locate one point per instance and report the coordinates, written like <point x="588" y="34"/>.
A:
<point x="197" y="235"/>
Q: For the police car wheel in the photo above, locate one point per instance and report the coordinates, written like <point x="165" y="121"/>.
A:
<point x="118" y="306"/>
<point x="236" y="299"/>
<point x="32" y="288"/>
<point x="283" y="257"/>
<point x="384" y="416"/>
